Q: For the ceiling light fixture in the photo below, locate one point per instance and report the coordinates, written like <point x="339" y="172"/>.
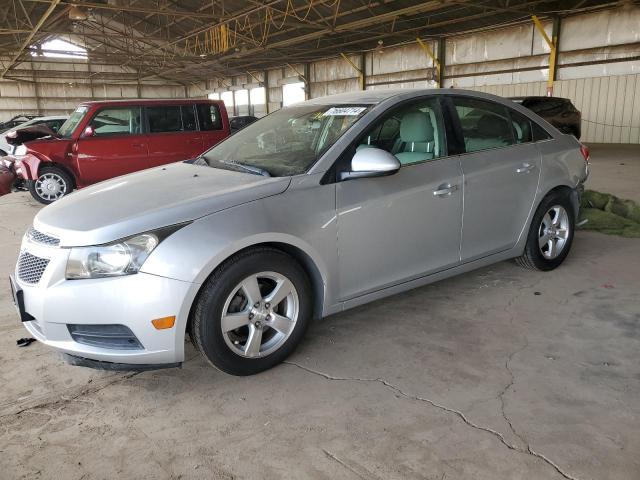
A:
<point x="77" y="14"/>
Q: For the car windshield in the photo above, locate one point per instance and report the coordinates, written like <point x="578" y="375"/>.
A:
<point x="286" y="142"/>
<point x="67" y="128"/>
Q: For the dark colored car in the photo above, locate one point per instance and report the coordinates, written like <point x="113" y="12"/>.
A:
<point x="102" y="140"/>
<point x="559" y="112"/>
<point x="15" y="121"/>
<point x="241" y="121"/>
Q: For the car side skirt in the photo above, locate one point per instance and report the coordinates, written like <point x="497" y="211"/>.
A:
<point x="434" y="277"/>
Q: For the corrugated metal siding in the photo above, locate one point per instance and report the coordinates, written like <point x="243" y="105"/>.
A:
<point x="610" y="106"/>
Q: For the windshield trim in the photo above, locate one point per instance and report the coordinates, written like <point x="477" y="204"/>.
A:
<point x="69" y="120"/>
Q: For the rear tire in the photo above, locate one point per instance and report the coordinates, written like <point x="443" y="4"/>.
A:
<point x="252" y="312"/>
<point x="551" y="233"/>
<point x="52" y="184"/>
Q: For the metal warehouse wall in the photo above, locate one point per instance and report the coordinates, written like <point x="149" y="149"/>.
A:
<point x="610" y="106"/>
<point x="598" y="69"/>
<point x="58" y="87"/>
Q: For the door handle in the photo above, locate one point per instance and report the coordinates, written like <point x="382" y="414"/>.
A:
<point x="525" y="168"/>
<point x="137" y="145"/>
<point x="445" y="190"/>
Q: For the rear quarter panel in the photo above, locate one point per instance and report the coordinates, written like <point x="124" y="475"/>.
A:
<point x="562" y="163"/>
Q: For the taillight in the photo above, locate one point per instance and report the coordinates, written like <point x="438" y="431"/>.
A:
<point x="584" y="150"/>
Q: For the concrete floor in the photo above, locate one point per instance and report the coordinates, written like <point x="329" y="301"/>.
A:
<point x="502" y="373"/>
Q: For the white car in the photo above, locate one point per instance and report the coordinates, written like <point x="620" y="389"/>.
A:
<point x="53" y="122"/>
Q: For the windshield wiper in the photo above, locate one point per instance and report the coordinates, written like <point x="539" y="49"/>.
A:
<point x="248" y="168"/>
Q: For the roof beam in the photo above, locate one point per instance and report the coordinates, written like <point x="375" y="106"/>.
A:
<point x="131" y="8"/>
<point x="25" y="44"/>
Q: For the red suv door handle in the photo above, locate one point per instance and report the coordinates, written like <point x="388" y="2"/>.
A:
<point x="137" y="145"/>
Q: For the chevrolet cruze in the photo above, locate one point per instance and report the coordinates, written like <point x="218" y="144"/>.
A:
<point x="314" y="209"/>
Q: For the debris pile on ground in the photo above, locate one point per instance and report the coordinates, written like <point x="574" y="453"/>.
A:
<point x="609" y="214"/>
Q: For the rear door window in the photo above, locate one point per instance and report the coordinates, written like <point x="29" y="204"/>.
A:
<point x="209" y="116"/>
<point x="485" y="125"/>
<point x="117" y="121"/>
<point x="167" y="118"/>
<point x="539" y="133"/>
<point x="188" y="118"/>
<point x="521" y="127"/>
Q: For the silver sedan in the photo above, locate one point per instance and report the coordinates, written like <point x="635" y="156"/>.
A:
<point x="314" y="209"/>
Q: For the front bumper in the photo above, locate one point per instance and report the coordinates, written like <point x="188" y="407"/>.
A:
<point x="132" y="301"/>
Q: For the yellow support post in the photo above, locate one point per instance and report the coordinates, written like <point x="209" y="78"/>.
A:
<point x="553" y="51"/>
<point x="433" y="58"/>
<point x="304" y="79"/>
<point x="357" y="69"/>
<point x="254" y="77"/>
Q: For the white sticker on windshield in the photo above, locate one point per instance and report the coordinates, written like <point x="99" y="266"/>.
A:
<point x="344" y="111"/>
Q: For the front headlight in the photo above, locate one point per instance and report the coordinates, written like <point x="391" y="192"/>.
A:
<point x="20" y="150"/>
<point x="121" y="258"/>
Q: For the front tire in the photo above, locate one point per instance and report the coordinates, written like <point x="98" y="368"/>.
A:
<point x="52" y="184"/>
<point x="551" y="233"/>
<point x="252" y="312"/>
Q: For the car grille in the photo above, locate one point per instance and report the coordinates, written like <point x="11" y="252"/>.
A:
<point x="31" y="268"/>
<point x="43" y="238"/>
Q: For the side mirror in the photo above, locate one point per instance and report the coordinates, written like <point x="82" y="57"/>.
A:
<point x="371" y="162"/>
<point x="89" y="132"/>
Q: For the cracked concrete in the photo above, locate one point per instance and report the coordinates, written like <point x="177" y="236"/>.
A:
<point x="444" y="408"/>
<point x="502" y="373"/>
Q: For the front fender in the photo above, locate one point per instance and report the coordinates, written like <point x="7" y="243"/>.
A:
<point x="301" y="220"/>
<point x="27" y="167"/>
<point x="208" y="251"/>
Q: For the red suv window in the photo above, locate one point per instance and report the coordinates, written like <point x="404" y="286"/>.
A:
<point x="209" y="116"/>
<point x="171" y="118"/>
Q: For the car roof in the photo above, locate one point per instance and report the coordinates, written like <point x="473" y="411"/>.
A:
<point x="374" y="97"/>
<point x="536" y="97"/>
<point x="149" y="101"/>
<point x="52" y="117"/>
<point x="363" y="96"/>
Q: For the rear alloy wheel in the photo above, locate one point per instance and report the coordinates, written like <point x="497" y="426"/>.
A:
<point x="52" y="184"/>
<point x="551" y="233"/>
<point x="252" y="312"/>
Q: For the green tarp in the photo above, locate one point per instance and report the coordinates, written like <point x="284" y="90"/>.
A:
<point x="608" y="214"/>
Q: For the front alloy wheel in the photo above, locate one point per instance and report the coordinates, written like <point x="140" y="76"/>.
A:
<point x="252" y="311"/>
<point x="260" y="314"/>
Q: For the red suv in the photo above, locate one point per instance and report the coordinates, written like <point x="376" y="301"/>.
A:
<point x="102" y="140"/>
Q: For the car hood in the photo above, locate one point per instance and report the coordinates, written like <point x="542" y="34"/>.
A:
<point x="143" y="201"/>
<point x="27" y="134"/>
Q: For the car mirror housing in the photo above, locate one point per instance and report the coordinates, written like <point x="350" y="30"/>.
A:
<point x="371" y="162"/>
<point x="89" y="132"/>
